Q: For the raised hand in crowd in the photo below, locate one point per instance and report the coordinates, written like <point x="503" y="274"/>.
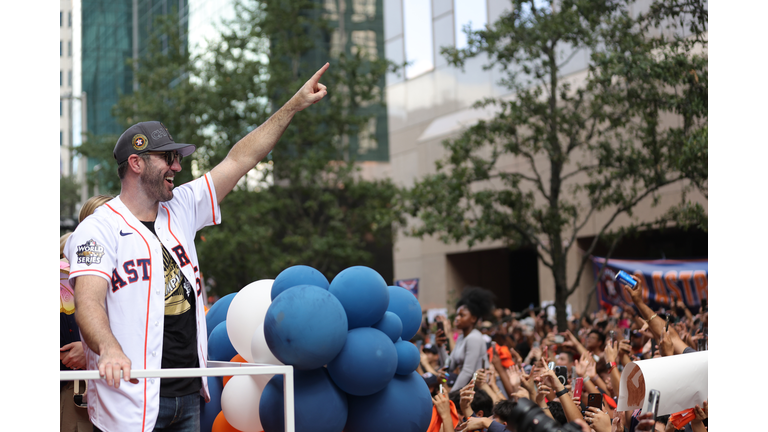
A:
<point x="597" y="419"/>
<point x="701" y="413"/>
<point x="527" y="383"/>
<point x="665" y="344"/>
<point x="572" y="412"/>
<point x="625" y="349"/>
<point x="646" y="423"/>
<point x="655" y="323"/>
<point x="467" y="394"/>
<point x="443" y="405"/>
<point x="611" y="355"/>
<point x="496" y="361"/>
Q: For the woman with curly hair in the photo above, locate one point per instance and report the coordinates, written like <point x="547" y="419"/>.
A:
<point x="470" y="351"/>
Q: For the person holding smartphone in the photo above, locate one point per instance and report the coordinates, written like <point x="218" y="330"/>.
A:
<point x="469" y="352"/>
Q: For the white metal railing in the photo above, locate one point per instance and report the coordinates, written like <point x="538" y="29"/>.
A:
<point x="215" y="368"/>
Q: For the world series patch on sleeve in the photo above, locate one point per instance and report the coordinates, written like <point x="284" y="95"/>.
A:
<point x="89" y="253"/>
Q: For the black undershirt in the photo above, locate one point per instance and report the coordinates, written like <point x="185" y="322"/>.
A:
<point x="179" y="328"/>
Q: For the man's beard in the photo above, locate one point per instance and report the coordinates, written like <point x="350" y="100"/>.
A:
<point x="153" y="182"/>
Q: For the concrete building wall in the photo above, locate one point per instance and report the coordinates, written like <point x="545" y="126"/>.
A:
<point x="65" y="88"/>
<point x="427" y="108"/>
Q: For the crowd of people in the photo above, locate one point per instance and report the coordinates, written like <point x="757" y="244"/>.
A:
<point x="487" y="362"/>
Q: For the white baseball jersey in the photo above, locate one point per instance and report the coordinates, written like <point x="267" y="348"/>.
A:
<point x="115" y="245"/>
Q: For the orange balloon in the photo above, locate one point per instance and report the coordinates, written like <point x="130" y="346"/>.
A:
<point x="220" y="424"/>
<point x="239" y="359"/>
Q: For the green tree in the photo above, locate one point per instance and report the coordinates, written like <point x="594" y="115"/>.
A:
<point x="317" y="211"/>
<point x="304" y="205"/>
<point x="69" y="196"/>
<point x="599" y="147"/>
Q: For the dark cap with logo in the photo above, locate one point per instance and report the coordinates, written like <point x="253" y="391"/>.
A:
<point x="147" y="136"/>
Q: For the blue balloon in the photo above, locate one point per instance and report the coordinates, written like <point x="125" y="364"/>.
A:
<point x="408" y="357"/>
<point x="404" y="405"/>
<point x="364" y="294"/>
<point x="298" y="275"/>
<point x="391" y="325"/>
<point x="405" y="305"/>
<point x="220" y="348"/>
<point x="218" y="312"/>
<point x="366" y="364"/>
<point x="305" y="327"/>
<point x="320" y="406"/>
<point x="209" y="411"/>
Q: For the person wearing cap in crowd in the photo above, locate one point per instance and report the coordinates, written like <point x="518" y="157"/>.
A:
<point x="430" y="359"/>
<point x="135" y="272"/>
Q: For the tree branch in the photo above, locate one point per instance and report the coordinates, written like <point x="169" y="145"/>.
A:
<point x="605" y="227"/>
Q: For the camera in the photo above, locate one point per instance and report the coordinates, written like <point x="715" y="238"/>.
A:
<point x="526" y="416"/>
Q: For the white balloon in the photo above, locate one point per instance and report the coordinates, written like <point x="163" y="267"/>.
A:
<point x="260" y="351"/>
<point x="246" y="312"/>
<point x="240" y="401"/>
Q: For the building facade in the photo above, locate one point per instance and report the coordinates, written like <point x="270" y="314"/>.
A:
<point x="430" y="102"/>
<point x="66" y="65"/>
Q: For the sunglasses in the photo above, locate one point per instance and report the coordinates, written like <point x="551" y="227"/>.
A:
<point x="169" y="156"/>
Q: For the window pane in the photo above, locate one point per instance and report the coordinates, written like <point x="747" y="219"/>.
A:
<point x="69" y="48"/>
<point x="70" y="18"/>
<point x="61" y="19"/>
<point x="61" y="48"/>
<point x="417" y="15"/>
<point x="69" y="78"/>
<point x="468" y="12"/>
<point x="61" y="78"/>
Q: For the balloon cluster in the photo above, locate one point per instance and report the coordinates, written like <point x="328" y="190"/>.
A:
<point x="347" y="340"/>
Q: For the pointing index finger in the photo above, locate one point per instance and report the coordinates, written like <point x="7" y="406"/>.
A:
<point x="316" y="77"/>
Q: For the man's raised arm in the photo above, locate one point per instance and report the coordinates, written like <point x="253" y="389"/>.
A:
<point x="250" y="150"/>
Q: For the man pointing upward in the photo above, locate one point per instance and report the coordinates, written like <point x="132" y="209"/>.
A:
<point x="136" y="275"/>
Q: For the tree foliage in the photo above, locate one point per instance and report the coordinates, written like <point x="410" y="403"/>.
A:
<point x="635" y="125"/>
<point x="305" y="204"/>
<point x="317" y="212"/>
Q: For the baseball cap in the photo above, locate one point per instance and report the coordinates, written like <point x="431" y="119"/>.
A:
<point x="430" y="379"/>
<point x="430" y="348"/>
<point x="147" y="136"/>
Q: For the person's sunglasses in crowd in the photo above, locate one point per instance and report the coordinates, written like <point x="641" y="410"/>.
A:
<point x="169" y="156"/>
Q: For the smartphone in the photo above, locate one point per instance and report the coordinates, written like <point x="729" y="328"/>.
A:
<point x="577" y="385"/>
<point x="653" y="402"/>
<point x="440" y="389"/>
<point x="595" y="400"/>
<point x="627" y="334"/>
<point x="612" y="336"/>
<point x="440" y="326"/>
<point x="474" y="379"/>
<point x="551" y="365"/>
<point x="574" y="375"/>
<point x="536" y="344"/>
<point x="562" y="374"/>
<point x="559" y="339"/>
